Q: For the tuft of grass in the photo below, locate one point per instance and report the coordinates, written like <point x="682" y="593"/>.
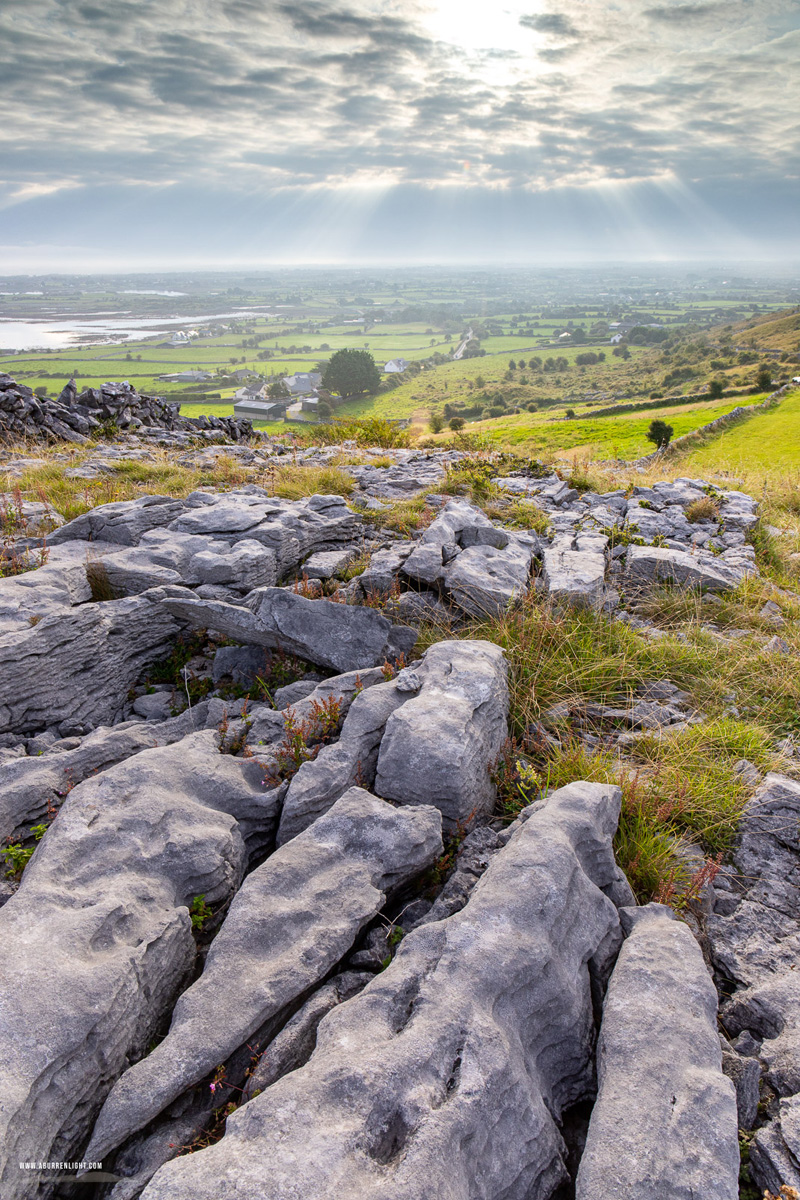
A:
<point x="293" y="482"/>
<point x="679" y="785"/>
<point x="407" y="516"/>
<point x="702" y="510"/>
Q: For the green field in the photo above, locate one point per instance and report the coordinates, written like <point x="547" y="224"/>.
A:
<point x="617" y="437"/>
<point x="766" y="445"/>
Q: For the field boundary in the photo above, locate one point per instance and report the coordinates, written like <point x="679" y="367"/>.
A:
<point x="741" y="413"/>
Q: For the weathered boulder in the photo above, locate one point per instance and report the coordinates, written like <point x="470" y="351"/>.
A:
<point x="664" y="1124"/>
<point x="342" y="637"/>
<point x="93" y="653"/>
<point x="447" y="1074"/>
<point x="439" y="746"/>
<point x="293" y="919"/>
<point x="653" y="564"/>
<point x="98" y="939"/>
<point x="574" y="570"/>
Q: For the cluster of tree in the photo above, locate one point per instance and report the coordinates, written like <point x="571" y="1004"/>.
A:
<point x="680" y="375"/>
<point x="589" y="358"/>
<point x="556" y="364"/>
<point x="643" y="335"/>
<point x="473" y="349"/>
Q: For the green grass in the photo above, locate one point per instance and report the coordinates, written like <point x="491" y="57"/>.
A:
<point x="681" y="784"/>
<point x="766" y="445"/>
<point x="611" y="437"/>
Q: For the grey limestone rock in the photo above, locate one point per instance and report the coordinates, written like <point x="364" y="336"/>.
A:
<point x="754" y="933"/>
<point x="94" y="653"/>
<point x="775" y="1149"/>
<point x="438" y="747"/>
<point x="51" y="589"/>
<point x="98" y="938"/>
<point x="353" y="758"/>
<point x="574" y="570"/>
<point x="241" y="664"/>
<point x="30" y="786"/>
<point x="447" y="1074"/>
<point x="123" y="522"/>
<point x="295" y="1043"/>
<point x="341" y="637"/>
<point x="293" y="919"/>
<point x="481" y="567"/>
<point x="665" y="1123"/>
<point x="650" y="564"/>
<point x="291" y="693"/>
<point x="418" y="607"/>
<point x="745" y="1074"/>
<point x="327" y="563"/>
<point x="381" y="574"/>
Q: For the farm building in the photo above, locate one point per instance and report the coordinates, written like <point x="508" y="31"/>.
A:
<point x="395" y="365"/>
<point x="259" y="410"/>
<point x="303" y="383"/>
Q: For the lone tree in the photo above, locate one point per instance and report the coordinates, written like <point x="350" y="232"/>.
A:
<point x="659" y="433"/>
<point x="436" y="423"/>
<point x="764" y="379"/>
<point x="716" y="388"/>
<point x="351" y="372"/>
<point x="456" y="423"/>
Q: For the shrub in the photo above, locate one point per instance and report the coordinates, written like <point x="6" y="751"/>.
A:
<point x="659" y="433"/>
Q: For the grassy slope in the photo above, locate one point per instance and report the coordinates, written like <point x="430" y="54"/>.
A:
<point x="775" y="331"/>
<point x="765" y="446"/>
<point x="620" y="436"/>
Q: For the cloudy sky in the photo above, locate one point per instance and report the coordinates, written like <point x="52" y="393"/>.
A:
<point x="223" y="132"/>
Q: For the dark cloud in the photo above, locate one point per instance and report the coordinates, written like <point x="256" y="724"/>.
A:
<point x="553" y="23"/>
<point x="678" y="13"/>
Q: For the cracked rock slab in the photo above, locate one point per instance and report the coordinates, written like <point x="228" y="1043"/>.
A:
<point x="293" y="919"/>
<point x="665" y="1120"/>
<point x="445" y="1077"/>
<point x="93" y="654"/>
<point x="341" y="637"/>
<point x="98" y="938"/>
<point x="574" y="569"/>
<point x="653" y="564"/>
<point x="439" y="746"/>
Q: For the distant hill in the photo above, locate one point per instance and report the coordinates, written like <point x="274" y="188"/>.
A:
<point x="772" y="331"/>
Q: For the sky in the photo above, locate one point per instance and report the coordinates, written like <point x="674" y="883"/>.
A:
<point x="147" y="134"/>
